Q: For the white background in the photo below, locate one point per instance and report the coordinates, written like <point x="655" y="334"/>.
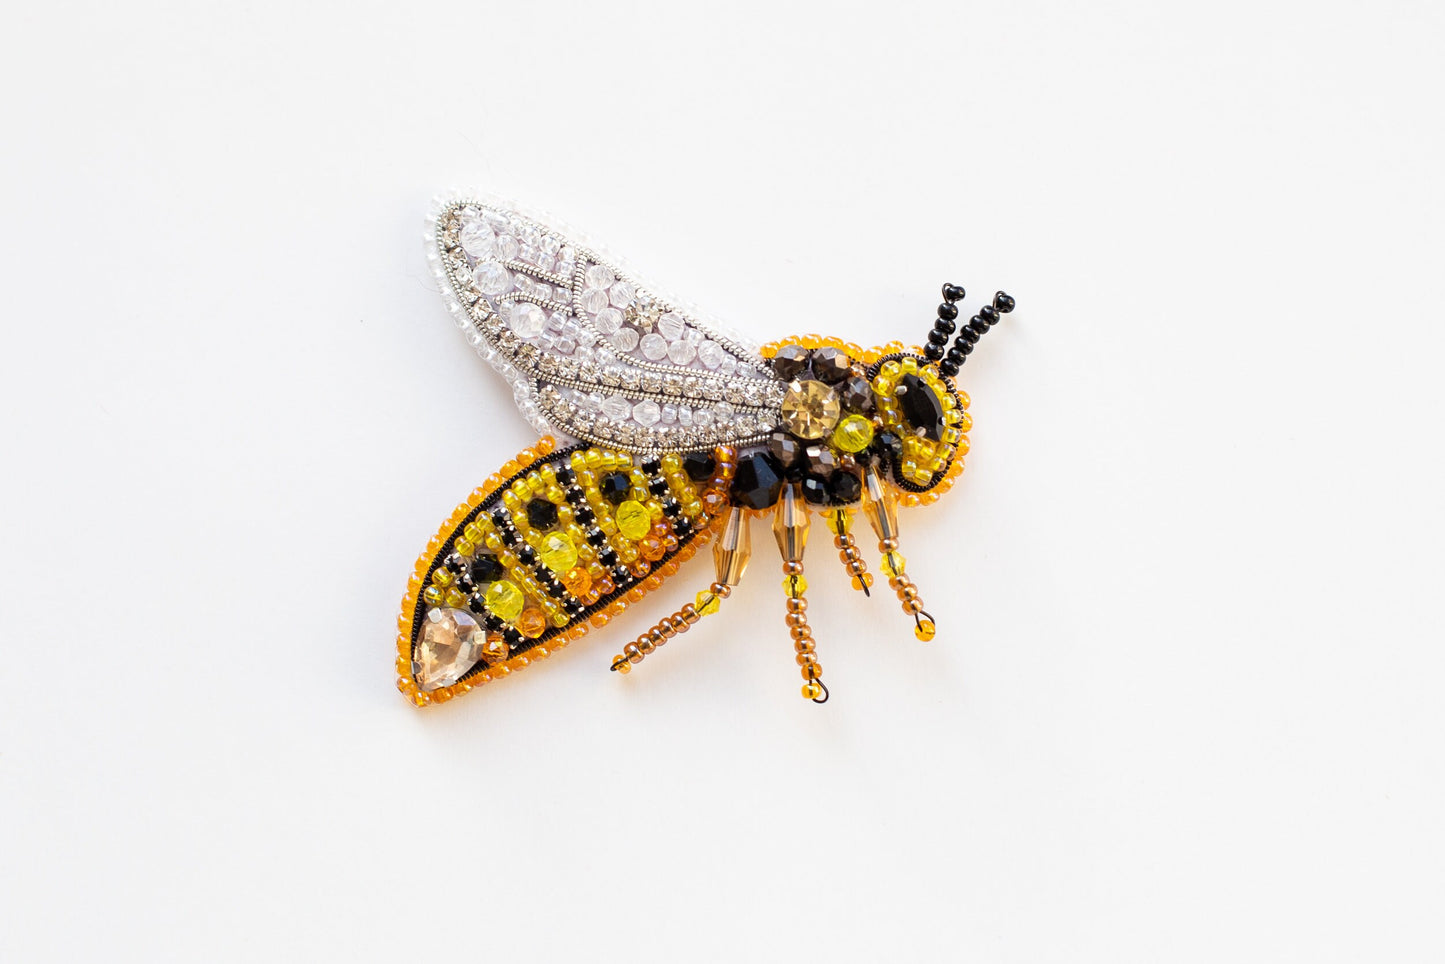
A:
<point x="1185" y="701"/>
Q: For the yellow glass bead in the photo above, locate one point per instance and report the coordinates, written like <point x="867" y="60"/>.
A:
<point x="465" y="547"/>
<point x="893" y="563"/>
<point x="795" y="586"/>
<point x="558" y="552"/>
<point x="812" y="690"/>
<point x="505" y="599"/>
<point x="840" y="521"/>
<point x="472" y="532"/>
<point x="532" y="623"/>
<point x="443" y="577"/>
<point x="706" y="603"/>
<point x="633" y="519"/>
<point x="671" y="463"/>
<point x="853" y="433"/>
<point x="577" y="581"/>
<point x="455" y="599"/>
<point x="432" y="595"/>
<point x="925" y="629"/>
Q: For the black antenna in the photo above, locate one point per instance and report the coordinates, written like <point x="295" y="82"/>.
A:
<point x="968" y="336"/>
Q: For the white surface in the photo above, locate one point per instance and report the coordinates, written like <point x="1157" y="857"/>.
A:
<point x="1185" y="704"/>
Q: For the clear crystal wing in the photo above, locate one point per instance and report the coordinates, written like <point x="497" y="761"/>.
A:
<point x="591" y="352"/>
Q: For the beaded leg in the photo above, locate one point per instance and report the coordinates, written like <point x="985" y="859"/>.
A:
<point x="730" y="555"/>
<point x="840" y="523"/>
<point x="882" y="514"/>
<point x="790" y="529"/>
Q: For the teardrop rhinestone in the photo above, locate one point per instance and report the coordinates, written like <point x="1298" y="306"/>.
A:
<point x="450" y="645"/>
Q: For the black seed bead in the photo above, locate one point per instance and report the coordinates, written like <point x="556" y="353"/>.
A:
<point x="608" y="556"/>
<point x="947" y="368"/>
<point x="657" y="486"/>
<point x="979" y="325"/>
<point x="527" y="554"/>
<point x="932" y="351"/>
<point x="584" y="515"/>
<point x="945" y="324"/>
<point x="1003" y="302"/>
<point x="698" y="466"/>
<point x="815" y="489"/>
<point x="501" y="518"/>
<point x="596" y="536"/>
<point x="952" y="292"/>
<point x="989" y="314"/>
<point x="948" y="311"/>
<point x="671" y="508"/>
<point x="542" y="514"/>
<point x="652" y="466"/>
<point x="937" y="337"/>
<point x="565" y="477"/>
<point x="615" y="486"/>
<point x="968" y="335"/>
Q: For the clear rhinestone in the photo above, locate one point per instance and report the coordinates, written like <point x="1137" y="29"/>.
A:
<point x="492" y="278"/>
<point x="646" y="413"/>
<point x="599" y="276"/>
<point x="671" y="326"/>
<point x="451" y="643"/>
<point x="527" y="320"/>
<point x="654" y="347"/>
<point x="609" y="320"/>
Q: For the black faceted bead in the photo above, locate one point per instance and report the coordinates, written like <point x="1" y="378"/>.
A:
<point x="921" y="408"/>
<point x="501" y="517"/>
<point x="584" y="515"/>
<point x="819" y="458"/>
<point x="621" y="575"/>
<point x="652" y="466"/>
<point x="608" y="556"/>
<point x="948" y="311"/>
<point x="933" y="352"/>
<point x="815" y="489"/>
<point x="657" y="486"/>
<point x="574" y="608"/>
<point x="844" y="486"/>
<point x="542" y="514"/>
<point x="856" y="394"/>
<point x="565" y="477"/>
<point x="790" y="362"/>
<point x="574" y="494"/>
<point x="509" y="535"/>
<point x="454" y="562"/>
<point x="671" y="507"/>
<point x="681" y="526"/>
<point x="513" y="637"/>
<point x="485" y="568"/>
<point x="527" y="554"/>
<point x="698" y="466"/>
<point x="493" y="621"/>
<point x="887" y="445"/>
<point x="758" y="482"/>
<point x="1003" y="302"/>
<point x="596" y="536"/>
<point x="464" y="584"/>
<point x="830" y="365"/>
<point x="786" y="449"/>
<point x="614" y="487"/>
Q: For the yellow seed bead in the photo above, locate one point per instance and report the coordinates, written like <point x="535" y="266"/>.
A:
<point x="633" y="520"/>
<point x="455" y="599"/>
<point x="432" y="595"/>
<point x="505" y="599"/>
<point x="812" y="690"/>
<point x="893" y="563"/>
<point x="853" y="433"/>
<point x="706" y="603"/>
<point x="558" y="552"/>
<point x="443" y="577"/>
<point x="465" y="547"/>
<point x="925" y="629"/>
<point x="795" y="586"/>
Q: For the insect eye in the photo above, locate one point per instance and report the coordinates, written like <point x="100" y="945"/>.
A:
<point x="920" y="411"/>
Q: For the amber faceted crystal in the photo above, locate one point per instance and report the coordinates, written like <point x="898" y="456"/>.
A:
<point x="451" y="644"/>
<point x="810" y="409"/>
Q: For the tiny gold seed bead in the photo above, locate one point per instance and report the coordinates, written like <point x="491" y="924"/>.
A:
<point x="812" y="691"/>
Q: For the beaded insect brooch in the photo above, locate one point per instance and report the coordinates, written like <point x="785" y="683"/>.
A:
<point x="660" y="432"/>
